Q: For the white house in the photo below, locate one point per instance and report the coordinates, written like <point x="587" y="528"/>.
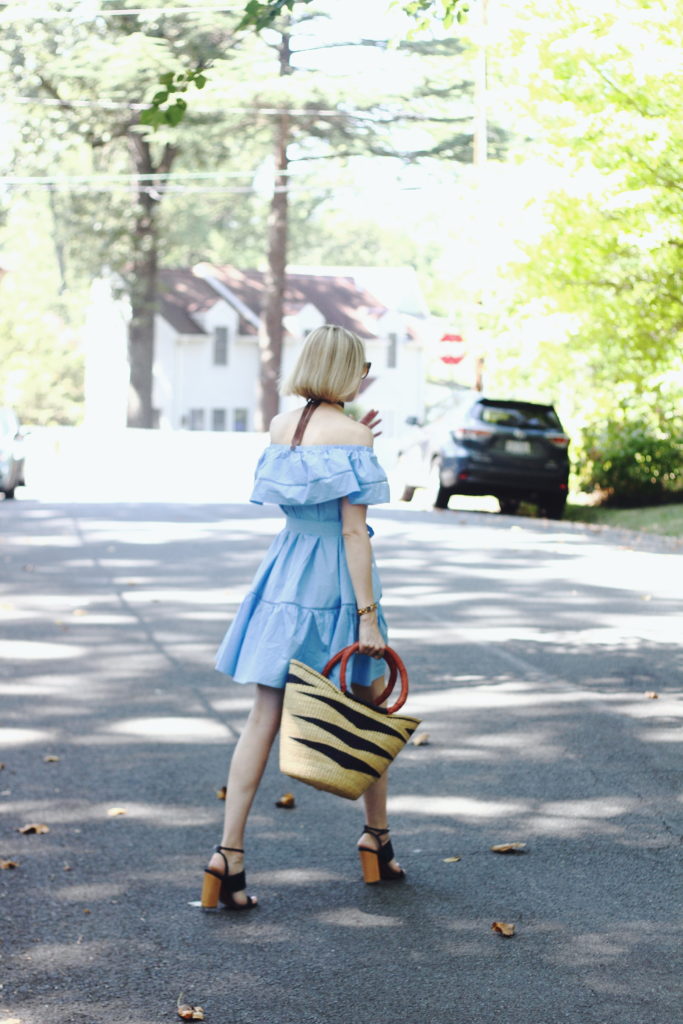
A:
<point x="206" y="364"/>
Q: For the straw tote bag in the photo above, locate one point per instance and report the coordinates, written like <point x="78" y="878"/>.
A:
<point x="332" y="740"/>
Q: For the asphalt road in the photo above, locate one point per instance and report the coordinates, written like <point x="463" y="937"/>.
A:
<point x="531" y="646"/>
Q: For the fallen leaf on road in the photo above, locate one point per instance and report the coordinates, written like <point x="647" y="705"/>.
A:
<point x="420" y="739"/>
<point x="222" y="793"/>
<point x="79" y="611"/>
<point x="5" y="865"/>
<point x="508" y="848"/>
<point x="67" y="867"/>
<point x="286" y="801"/>
<point x="49" y="758"/>
<point x="651" y="695"/>
<point x="451" y="860"/>
<point x="2" y="765"/>
<point x="115" y="812"/>
<point x="33" y="827"/>
<point x="502" y="928"/>
<point x="646" y="597"/>
<point x="187" y="1012"/>
<point x="86" y="910"/>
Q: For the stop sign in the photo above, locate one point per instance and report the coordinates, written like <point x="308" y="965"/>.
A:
<point x="451" y="348"/>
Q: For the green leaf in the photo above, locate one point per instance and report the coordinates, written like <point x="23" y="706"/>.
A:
<point x="160" y="97"/>
<point x="153" y="116"/>
<point x="175" y="114"/>
<point x="167" y="78"/>
<point x="200" y="81"/>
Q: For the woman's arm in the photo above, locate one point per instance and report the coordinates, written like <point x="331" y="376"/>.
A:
<point x="359" y="561"/>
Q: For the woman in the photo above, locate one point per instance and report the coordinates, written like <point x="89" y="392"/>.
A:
<point x="316" y="591"/>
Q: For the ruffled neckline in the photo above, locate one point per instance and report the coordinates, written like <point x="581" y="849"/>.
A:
<point x="315" y="473"/>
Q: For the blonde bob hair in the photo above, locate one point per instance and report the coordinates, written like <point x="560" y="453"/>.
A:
<point x="330" y="365"/>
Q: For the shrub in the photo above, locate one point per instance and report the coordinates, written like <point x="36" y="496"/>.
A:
<point x="633" y="463"/>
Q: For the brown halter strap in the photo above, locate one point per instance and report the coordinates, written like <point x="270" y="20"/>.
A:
<point x="311" y="405"/>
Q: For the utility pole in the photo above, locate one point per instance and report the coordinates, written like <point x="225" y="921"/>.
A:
<point x="479" y="161"/>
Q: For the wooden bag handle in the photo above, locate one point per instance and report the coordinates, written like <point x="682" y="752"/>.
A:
<point x="396" y="668"/>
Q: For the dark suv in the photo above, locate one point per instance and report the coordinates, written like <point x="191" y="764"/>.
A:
<point x="516" y="451"/>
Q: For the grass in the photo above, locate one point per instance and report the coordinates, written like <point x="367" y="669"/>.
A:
<point x="664" y="520"/>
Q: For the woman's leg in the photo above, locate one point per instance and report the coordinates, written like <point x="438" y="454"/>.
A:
<point x="248" y="763"/>
<point x="375" y="797"/>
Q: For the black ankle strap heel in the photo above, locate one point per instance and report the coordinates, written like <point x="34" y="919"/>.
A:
<point x="375" y="863"/>
<point x="222" y="885"/>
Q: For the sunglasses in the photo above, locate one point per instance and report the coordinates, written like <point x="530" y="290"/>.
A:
<point x="366" y="370"/>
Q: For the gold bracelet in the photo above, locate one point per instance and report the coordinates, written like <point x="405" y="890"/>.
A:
<point x="370" y="608"/>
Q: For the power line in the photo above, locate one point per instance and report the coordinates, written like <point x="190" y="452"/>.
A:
<point x="378" y="119"/>
<point x="128" y="179"/>
<point x="117" y="12"/>
<point x="120" y="105"/>
<point x="157" y="191"/>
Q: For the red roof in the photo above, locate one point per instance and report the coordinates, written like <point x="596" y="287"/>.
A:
<point x="339" y="299"/>
<point x="182" y="294"/>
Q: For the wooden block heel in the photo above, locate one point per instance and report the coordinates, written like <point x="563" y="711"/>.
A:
<point x="376" y="863"/>
<point x="221" y="885"/>
<point x="369" y="862"/>
<point x="211" y="889"/>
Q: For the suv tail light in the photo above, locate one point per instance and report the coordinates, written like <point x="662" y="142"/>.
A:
<point x="471" y="434"/>
<point x="559" y="440"/>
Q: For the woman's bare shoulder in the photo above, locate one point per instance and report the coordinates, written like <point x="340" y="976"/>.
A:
<point x="282" y="426"/>
<point x="357" y="433"/>
<point x="325" y="427"/>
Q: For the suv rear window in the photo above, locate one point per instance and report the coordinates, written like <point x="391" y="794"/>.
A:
<point x="517" y="414"/>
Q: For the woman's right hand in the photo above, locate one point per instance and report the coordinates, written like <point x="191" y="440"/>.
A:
<point x="370" y="640"/>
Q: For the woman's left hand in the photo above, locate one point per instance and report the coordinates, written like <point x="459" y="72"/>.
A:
<point x="372" y="419"/>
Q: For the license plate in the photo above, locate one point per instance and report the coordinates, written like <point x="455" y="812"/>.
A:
<point x="518" y="447"/>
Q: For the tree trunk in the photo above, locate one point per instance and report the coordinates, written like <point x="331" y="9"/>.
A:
<point x="272" y="311"/>
<point x="272" y="330"/>
<point x="144" y="285"/>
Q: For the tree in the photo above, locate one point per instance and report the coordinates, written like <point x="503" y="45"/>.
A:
<point x="338" y="123"/>
<point x="71" y="61"/>
<point x="604" y="88"/>
<point x="425" y="13"/>
<point x="128" y="235"/>
<point x="41" y="367"/>
<point x="334" y="126"/>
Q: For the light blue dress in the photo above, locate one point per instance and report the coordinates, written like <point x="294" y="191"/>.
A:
<point x="301" y="603"/>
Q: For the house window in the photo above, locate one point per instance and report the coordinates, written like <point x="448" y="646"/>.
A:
<point x="392" y="351"/>
<point x="240" y="419"/>
<point x="219" y="419"/>
<point x="196" y="419"/>
<point x="220" y="346"/>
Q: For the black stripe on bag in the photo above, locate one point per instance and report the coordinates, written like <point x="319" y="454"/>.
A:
<point x="357" y="718"/>
<point x="357" y="742"/>
<point x="339" y="756"/>
<point x="291" y="678"/>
